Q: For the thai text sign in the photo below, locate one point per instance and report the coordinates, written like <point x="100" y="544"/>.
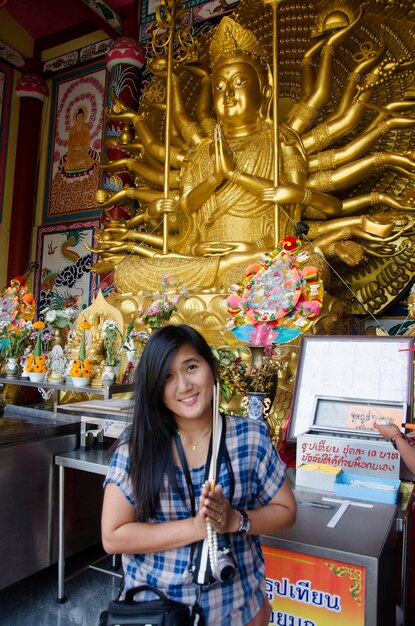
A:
<point x="363" y="417"/>
<point x="306" y="590"/>
<point x="353" y="455"/>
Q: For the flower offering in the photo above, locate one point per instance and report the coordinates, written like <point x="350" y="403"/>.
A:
<point x="36" y="363"/>
<point x="164" y="305"/>
<point x="239" y="374"/>
<point x="282" y="292"/>
<point x="15" y="336"/>
<point x="60" y="318"/>
<point x="81" y="367"/>
<point x="16" y="313"/>
<point x="112" y="338"/>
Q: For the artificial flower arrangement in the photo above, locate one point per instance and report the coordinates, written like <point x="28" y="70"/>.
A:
<point x="17" y="302"/>
<point x="134" y="339"/>
<point x="81" y="367"/>
<point x="36" y="362"/>
<point x="60" y="318"/>
<point x="277" y="301"/>
<point x="16" y="314"/>
<point x="239" y="375"/>
<point x="112" y="340"/>
<point x="15" y="336"/>
<point x="164" y="304"/>
<point x="279" y="298"/>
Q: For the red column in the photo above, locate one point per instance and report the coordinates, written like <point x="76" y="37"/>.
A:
<point x="32" y="93"/>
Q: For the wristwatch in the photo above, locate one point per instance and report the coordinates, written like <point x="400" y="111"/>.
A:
<point x="244" y="523"/>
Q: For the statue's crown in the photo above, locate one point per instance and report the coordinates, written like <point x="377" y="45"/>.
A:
<point x="231" y="40"/>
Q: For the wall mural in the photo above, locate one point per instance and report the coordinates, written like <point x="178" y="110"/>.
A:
<point x="62" y="276"/>
<point x="202" y="10"/>
<point x="75" y="143"/>
<point x="6" y="81"/>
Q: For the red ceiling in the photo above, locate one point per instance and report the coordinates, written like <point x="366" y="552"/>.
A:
<point x="50" y="22"/>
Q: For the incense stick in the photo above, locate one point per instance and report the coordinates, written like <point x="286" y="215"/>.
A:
<point x="215" y="418"/>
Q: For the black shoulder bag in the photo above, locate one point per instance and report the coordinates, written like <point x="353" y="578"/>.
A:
<point x="160" y="612"/>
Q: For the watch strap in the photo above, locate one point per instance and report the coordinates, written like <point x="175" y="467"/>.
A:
<point x="244" y="523"/>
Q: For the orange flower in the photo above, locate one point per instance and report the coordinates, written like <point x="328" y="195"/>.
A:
<point x="39" y="360"/>
<point x="81" y="368"/>
<point x="85" y="325"/>
<point x="37" y="368"/>
<point x="39" y="325"/>
<point x="28" y="368"/>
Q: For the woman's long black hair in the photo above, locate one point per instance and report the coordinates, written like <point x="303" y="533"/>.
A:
<point x="153" y="427"/>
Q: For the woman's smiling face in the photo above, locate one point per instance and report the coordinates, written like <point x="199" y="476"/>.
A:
<point x="188" y="388"/>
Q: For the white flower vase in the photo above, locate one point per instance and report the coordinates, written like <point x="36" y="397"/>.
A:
<point x="37" y="377"/>
<point x="12" y="367"/>
<point x="108" y="375"/>
<point x="80" y="381"/>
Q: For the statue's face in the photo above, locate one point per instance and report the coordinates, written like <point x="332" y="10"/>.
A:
<point x="237" y="93"/>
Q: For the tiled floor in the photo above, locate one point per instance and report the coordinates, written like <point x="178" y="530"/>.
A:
<point x="32" y="602"/>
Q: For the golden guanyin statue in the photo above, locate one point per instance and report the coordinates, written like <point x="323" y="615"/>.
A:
<point x="337" y="116"/>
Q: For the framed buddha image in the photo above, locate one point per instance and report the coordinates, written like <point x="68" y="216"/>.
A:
<point x="347" y="382"/>
<point x="75" y="142"/>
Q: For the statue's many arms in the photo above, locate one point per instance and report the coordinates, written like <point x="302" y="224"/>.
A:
<point x="221" y="204"/>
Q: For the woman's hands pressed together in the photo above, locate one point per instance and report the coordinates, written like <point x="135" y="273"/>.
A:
<point x="216" y="510"/>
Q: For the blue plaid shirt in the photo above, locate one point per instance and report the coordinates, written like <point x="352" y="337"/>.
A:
<point x="258" y="473"/>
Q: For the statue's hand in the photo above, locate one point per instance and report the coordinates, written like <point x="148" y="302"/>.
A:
<point x="214" y="248"/>
<point x="158" y="66"/>
<point x="161" y="207"/>
<point x="341" y="34"/>
<point x="283" y="194"/>
<point x="222" y="158"/>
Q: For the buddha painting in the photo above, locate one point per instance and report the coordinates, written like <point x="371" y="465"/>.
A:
<point x="79" y="139"/>
<point x="78" y="129"/>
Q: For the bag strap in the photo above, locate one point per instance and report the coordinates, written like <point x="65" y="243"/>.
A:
<point x="129" y="596"/>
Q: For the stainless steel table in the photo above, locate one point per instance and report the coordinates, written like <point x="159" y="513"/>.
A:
<point x="47" y="388"/>
<point x="95" y="461"/>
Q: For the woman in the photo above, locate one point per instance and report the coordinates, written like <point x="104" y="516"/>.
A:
<point x="404" y="444"/>
<point x="147" y="511"/>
